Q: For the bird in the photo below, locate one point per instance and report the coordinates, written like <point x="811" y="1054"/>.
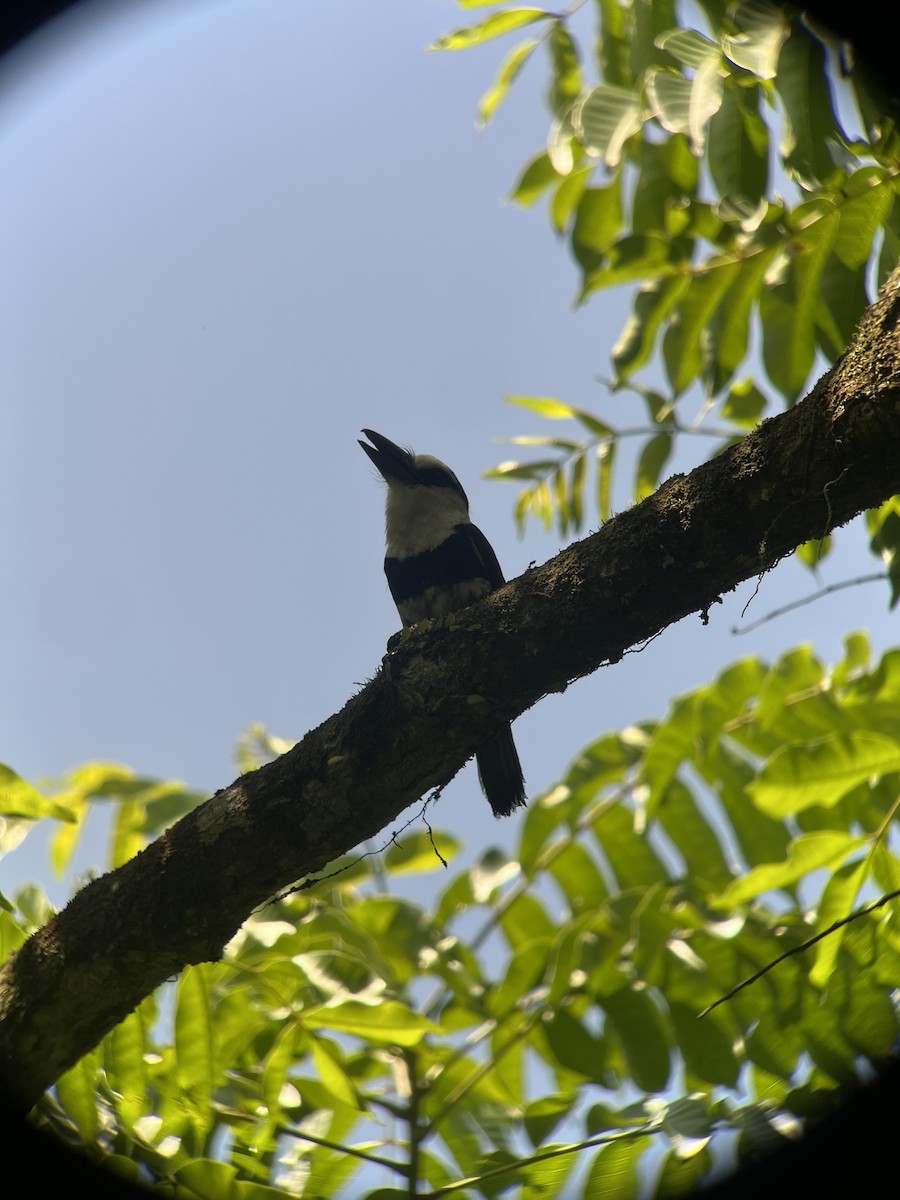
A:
<point x="437" y="562"/>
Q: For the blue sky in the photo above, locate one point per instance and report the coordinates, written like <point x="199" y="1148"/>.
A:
<point x="233" y="234"/>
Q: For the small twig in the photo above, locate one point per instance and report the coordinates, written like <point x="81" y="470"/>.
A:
<point x="433" y="844"/>
<point x="399" y="1167"/>
<point x="306" y="884"/>
<point x="779" y="612"/>
<point x="855" y="915"/>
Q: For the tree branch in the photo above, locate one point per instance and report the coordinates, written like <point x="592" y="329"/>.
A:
<point x="796" y="477"/>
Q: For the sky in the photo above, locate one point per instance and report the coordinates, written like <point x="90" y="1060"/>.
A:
<point x="234" y="234"/>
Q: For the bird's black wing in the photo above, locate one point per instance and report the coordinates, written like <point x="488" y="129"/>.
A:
<point x="484" y="552"/>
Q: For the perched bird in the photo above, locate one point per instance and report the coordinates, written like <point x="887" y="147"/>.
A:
<point x="437" y="562"/>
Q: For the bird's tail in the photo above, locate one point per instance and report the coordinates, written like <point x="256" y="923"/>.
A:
<point x="500" y="773"/>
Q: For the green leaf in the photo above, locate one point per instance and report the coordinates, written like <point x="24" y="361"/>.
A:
<point x="630" y="259"/>
<point x="788" y="307"/>
<point x="796" y="777"/>
<point x="692" y="834"/>
<point x="76" y="1091"/>
<point x="606" y="456"/>
<point x="126" y="1069"/>
<point x="708" y="1046"/>
<point x="534" y="181"/>
<point x="683" y="1170"/>
<point x="683" y="343"/>
<point x="613" y="1173"/>
<point x="333" y="1076"/>
<point x="653" y="302"/>
<point x="19" y="799"/>
<point x="506" y="75"/>
<point x="491" y="27"/>
<point x="744" y="405"/>
<point x="809" y="121"/>
<point x="388" y="1022"/>
<point x="194" y="1042"/>
<point x="807" y="853"/>
<point x="688" y="47"/>
<point x="573" y="1045"/>
<point x="544" y="406"/>
<point x="838" y="897"/>
<point x="871" y="198"/>
<point x="686" y="105"/>
<point x="729" y="329"/>
<point x="639" y="1027"/>
<point x="418" y="852"/>
<point x="208" y="1179"/>
<point x="739" y="145"/>
<point x="654" y="456"/>
<point x="613" y="44"/>
<point x="763" y="31"/>
<point x="567" y="197"/>
<point x="598" y="222"/>
<point x="565" y="69"/>
<point x="604" y="119"/>
<point x="668" y="176"/>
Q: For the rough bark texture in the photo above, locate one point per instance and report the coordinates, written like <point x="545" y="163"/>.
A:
<point x="796" y="477"/>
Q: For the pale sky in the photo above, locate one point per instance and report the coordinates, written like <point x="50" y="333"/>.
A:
<point x="233" y="234"/>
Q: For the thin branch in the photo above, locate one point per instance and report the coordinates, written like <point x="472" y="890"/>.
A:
<point x="377" y="1159"/>
<point x="855" y="915"/>
<point x="557" y="1152"/>
<point x="826" y="591"/>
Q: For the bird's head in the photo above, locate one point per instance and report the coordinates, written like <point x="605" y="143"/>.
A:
<point x="425" y="499"/>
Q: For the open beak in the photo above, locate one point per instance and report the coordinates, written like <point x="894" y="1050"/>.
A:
<point x="395" y="464"/>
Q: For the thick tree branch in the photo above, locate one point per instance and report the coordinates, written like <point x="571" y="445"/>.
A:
<point x="796" y="477"/>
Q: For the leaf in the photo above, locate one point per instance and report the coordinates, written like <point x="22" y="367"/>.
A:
<point x="708" y="1046"/>
<point x="419" y="852"/>
<point x="604" y="119"/>
<point x="788" y="308"/>
<point x="598" y="222"/>
<point x="613" y="44"/>
<point x="688" y="46"/>
<point x="683" y="341"/>
<point x="333" y="1076"/>
<point x="729" y="329"/>
<point x="194" y="1044"/>
<point x="870" y="201"/>
<point x="389" y="1022"/>
<point x="613" y="1173"/>
<point x="739" y="145"/>
<point x="568" y="196"/>
<point x="126" y="1069"/>
<point x="654" y="456"/>
<point x="639" y="1026"/>
<point x="565" y="84"/>
<point x="744" y="405"/>
<point x="653" y="302"/>
<point x="491" y="27"/>
<point x="807" y="853"/>
<point x="534" y="181"/>
<point x="18" y="799"/>
<point x="606" y="455"/>
<point x="668" y="177"/>
<point x="763" y="31"/>
<point x="796" y="777"/>
<point x="838" y="897"/>
<point x="630" y="259"/>
<point x="506" y="75"/>
<point x="544" y="406"/>
<point x="208" y="1179"/>
<point x="809" y="121"/>
<point x="76" y="1091"/>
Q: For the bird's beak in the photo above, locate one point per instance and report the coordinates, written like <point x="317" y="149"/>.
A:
<point x="395" y="464"/>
